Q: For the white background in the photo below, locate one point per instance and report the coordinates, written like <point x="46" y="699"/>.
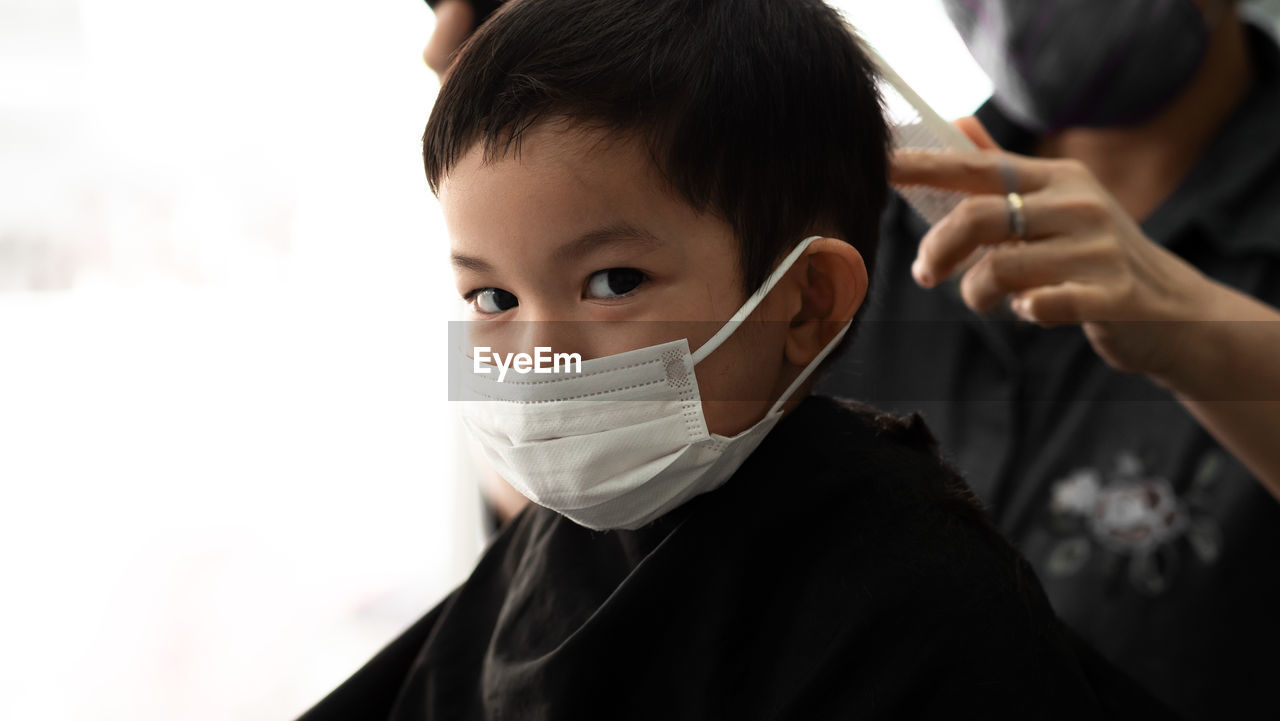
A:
<point x="227" y="469"/>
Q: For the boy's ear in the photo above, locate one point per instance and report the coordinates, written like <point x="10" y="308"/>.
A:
<point x="833" y="285"/>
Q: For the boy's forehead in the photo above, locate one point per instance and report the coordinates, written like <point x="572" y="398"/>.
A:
<point x="559" y="149"/>
<point x="569" y="195"/>
<point x="560" y="179"/>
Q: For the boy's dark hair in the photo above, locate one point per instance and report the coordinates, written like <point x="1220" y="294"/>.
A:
<point x="765" y="112"/>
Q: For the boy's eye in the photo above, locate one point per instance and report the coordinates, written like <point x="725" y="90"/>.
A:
<point x="493" y="300"/>
<point x="614" y="282"/>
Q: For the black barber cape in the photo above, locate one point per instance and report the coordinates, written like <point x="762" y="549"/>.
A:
<point x="843" y="572"/>
<point x="1151" y="540"/>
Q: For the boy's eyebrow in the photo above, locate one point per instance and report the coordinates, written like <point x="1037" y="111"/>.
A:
<point x="466" y="262"/>
<point x="620" y="234"/>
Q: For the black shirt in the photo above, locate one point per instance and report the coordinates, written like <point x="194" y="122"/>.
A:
<point x="1151" y="540"/>
<point x="843" y="572"/>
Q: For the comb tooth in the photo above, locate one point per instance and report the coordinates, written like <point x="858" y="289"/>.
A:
<point x="921" y="128"/>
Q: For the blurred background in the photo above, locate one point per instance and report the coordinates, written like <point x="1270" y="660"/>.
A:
<point x="227" y="466"/>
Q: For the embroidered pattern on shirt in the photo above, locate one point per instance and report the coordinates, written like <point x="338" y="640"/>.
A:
<point x="1135" y="516"/>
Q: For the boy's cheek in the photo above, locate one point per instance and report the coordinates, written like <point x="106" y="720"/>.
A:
<point x="743" y="378"/>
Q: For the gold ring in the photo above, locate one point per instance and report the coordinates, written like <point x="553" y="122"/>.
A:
<point x="1017" y="216"/>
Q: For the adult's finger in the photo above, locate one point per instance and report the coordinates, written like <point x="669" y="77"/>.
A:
<point x="1071" y="302"/>
<point x="976" y="221"/>
<point x="455" y="19"/>
<point x="1015" y="267"/>
<point x="969" y="172"/>
<point x="974" y="130"/>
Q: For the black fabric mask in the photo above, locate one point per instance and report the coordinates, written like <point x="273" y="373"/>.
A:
<point x="1065" y="63"/>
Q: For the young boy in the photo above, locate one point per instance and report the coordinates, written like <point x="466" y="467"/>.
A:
<point x="626" y="180"/>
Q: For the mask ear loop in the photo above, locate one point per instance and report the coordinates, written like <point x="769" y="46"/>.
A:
<point x="747" y="308"/>
<point x="809" y="369"/>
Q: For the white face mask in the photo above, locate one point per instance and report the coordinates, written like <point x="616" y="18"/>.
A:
<point x="623" y="441"/>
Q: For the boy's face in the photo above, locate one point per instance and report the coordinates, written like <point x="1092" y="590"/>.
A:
<point x="578" y="226"/>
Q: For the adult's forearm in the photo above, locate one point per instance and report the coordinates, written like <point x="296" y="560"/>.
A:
<point x="1228" y="377"/>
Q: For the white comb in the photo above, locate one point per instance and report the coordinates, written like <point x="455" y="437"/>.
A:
<point x="918" y="127"/>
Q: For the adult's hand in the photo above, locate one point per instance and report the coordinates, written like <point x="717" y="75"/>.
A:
<point x="1081" y="260"/>
<point x="1084" y="261"/>
<point x="455" y="19"/>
